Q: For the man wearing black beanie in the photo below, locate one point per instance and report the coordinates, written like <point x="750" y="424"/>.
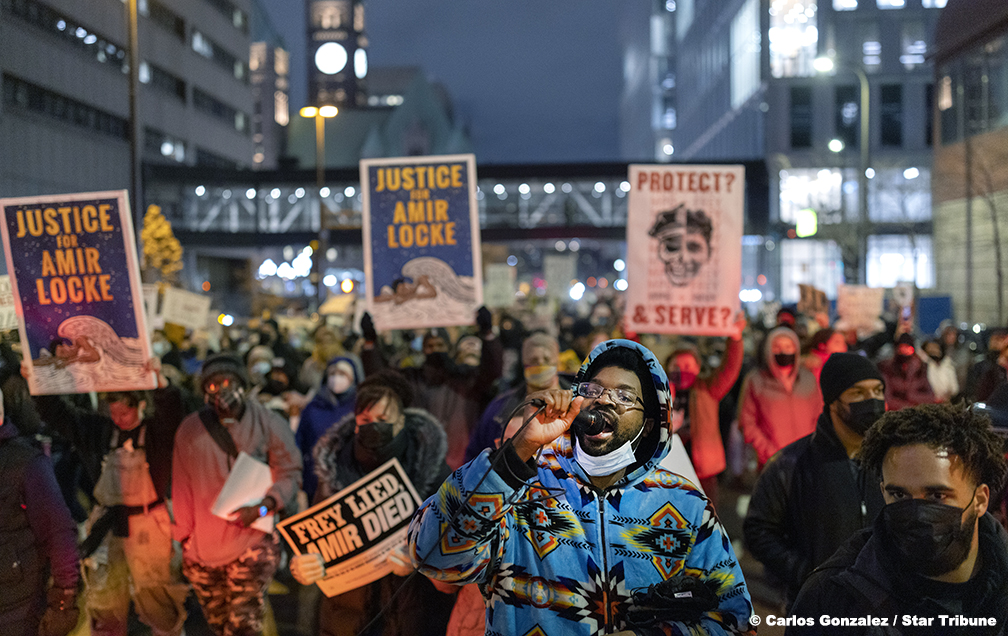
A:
<point x="812" y="495"/>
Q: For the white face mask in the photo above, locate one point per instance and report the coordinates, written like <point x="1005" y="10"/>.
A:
<point x="611" y="462"/>
<point x="338" y="383"/>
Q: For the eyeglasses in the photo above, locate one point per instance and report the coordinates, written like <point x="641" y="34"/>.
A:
<point x="594" y="391"/>
<point x="213" y="387"/>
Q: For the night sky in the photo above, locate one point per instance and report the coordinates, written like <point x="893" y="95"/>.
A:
<point x="535" y="82"/>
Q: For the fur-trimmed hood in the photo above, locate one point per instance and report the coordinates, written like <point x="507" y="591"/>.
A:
<point x="422" y="460"/>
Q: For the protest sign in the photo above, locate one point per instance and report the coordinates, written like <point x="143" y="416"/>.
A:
<point x="187" y="309"/>
<point x="812" y="300"/>
<point x="558" y="272"/>
<point x="74" y="275"/>
<point x="8" y="316"/>
<point x="499" y="285"/>
<point x="684" y="248"/>
<point x="356" y="529"/>
<point x="859" y="308"/>
<point x="420" y="226"/>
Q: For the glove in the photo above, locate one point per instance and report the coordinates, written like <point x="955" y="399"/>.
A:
<point x="400" y="561"/>
<point x="307" y="568"/>
<point x="484" y="320"/>
<point x="61" y="613"/>
<point x="368" y="328"/>
<point x="680" y="598"/>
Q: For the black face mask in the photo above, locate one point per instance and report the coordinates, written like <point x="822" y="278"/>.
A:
<point x="861" y="415"/>
<point x="929" y="538"/>
<point x="375" y="435"/>
<point x="438" y="360"/>
<point x="784" y="359"/>
<point x="228" y="403"/>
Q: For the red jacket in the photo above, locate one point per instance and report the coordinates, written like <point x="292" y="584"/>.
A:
<point x="706" y="447"/>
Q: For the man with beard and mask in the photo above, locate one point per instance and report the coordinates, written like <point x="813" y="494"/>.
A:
<point x="695" y="409"/>
<point x="572" y="531"/>
<point x="780" y="402"/>
<point x="906" y="376"/>
<point x="381" y="427"/>
<point x="539" y="353"/>
<point x="812" y="496"/>
<point x="934" y="560"/>
<point x="127" y="554"/>
<point x="455" y="394"/>
<point x="228" y="563"/>
<point x="333" y="401"/>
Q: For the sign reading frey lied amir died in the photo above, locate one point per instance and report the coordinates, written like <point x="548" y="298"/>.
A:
<point x="75" y="279"/>
<point x="356" y="529"/>
<point x="684" y="248"/>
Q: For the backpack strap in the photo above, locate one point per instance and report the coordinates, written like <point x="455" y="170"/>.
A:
<point x="218" y="432"/>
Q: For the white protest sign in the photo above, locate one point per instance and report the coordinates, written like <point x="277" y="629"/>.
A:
<point x="498" y="285"/>
<point x="8" y="314"/>
<point x="859" y="308"/>
<point x="558" y="272"/>
<point x="684" y="248"/>
<point x="185" y="308"/>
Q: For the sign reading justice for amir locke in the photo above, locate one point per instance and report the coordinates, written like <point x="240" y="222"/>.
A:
<point x="421" y="233"/>
<point x="356" y="529"/>
<point x="684" y="248"/>
<point x="75" y="279"/>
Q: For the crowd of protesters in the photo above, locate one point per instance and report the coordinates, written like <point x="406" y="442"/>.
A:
<point x="787" y="398"/>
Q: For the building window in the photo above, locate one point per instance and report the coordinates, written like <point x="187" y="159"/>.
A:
<point x="18" y="93"/>
<point x="819" y="189"/>
<point x="934" y="4"/>
<point x="214" y="52"/>
<point x="895" y="258"/>
<point x="900" y="195"/>
<point x="166" y="18"/>
<point x="329" y="15"/>
<point x="745" y="53"/>
<point x="215" y="108"/>
<point x="281" y="110"/>
<point x="684" y="17"/>
<point x="913" y="47"/>
<point x="794" y="38"/>
<point x="809" y="262"/>
<point x="801" y="117"/>
<point x="844" y="5"/>
<point x="891" y="117"/>
<point x="95" y="45"/>
<point x="232" y="13"/>
<point x="890" y="4"/>
<point x="847" y="119"/>
<point x="871" y="46"/>
<point x="161" y="146"/>
<point x="162" y="80"/>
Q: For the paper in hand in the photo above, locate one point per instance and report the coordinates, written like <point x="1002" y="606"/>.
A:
<point x="248" y="483"/>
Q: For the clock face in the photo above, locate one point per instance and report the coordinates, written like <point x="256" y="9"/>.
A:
<point x="360" y="63"/>
<point x="331" y="58"/>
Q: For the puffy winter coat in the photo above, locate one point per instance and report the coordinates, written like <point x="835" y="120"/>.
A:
<point x="555" y="554"/>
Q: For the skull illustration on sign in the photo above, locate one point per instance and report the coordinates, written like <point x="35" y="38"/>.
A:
<point x="683" y="238"/>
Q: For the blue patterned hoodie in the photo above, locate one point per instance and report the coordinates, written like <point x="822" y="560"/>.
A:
<point x="555" y="556"/>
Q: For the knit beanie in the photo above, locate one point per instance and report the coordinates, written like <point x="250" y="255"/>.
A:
<point x="223" y="363"/>
<point x="842" y="371"/>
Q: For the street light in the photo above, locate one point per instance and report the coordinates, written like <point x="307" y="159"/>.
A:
<point x="320" y="114"/>
<point x="826" y="65"/>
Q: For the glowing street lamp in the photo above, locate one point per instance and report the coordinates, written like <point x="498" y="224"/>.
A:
<point x="320" y="114"/>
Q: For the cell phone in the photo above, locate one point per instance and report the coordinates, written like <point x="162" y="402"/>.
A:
<point x="906" y="313"/>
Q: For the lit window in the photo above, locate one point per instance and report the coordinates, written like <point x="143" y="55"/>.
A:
<point x="844" y="5"/>
<point x="794" y="37"/>
<point x="890" y="4"/>
<point x="280" y="107"/>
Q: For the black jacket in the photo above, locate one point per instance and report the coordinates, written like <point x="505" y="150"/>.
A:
<point x="37" y="535"/>
<point x="419" y="610"/>
<point x="808" y="502"/>
<point x="861" y="580"/>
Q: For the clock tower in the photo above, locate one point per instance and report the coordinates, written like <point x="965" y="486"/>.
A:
<point x="337" y="53"/>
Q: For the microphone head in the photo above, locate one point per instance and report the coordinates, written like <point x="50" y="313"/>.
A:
<point x="589" y="422"/>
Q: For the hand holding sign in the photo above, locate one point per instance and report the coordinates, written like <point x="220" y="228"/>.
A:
<point x="307" y="568"/>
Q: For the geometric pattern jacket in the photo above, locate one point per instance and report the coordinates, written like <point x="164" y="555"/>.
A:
<point x="555" y="556"/>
